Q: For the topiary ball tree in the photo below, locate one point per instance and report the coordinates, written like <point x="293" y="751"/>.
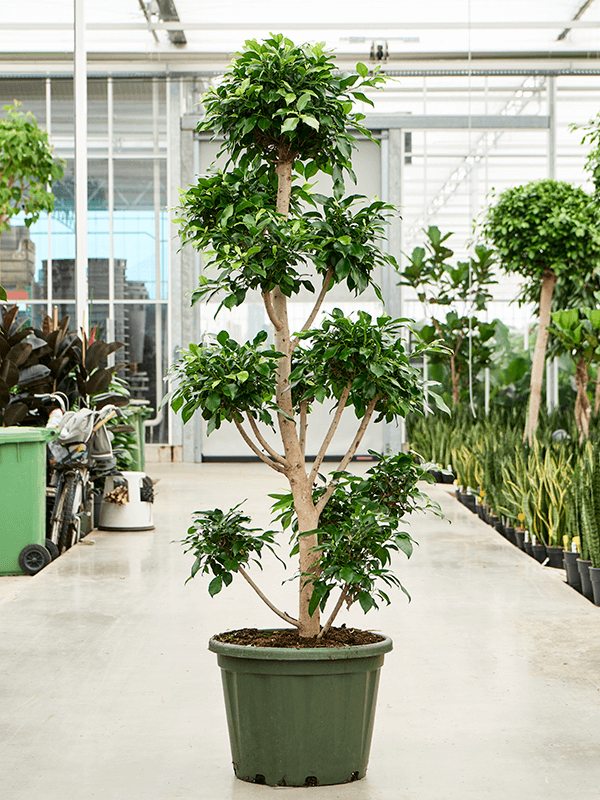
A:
<point x="542" y="231"/>
<point x="27" y="168"/>
<point x="285" y="114"/>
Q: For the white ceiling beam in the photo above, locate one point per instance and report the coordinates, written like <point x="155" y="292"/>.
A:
<point x="316" y="26"/>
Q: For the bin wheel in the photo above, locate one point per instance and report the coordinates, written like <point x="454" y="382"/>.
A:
<point x="52" y="549"/>
<point x="33" y="558"/>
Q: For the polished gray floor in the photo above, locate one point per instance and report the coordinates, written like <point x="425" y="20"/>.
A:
<point x="108" y="691"/>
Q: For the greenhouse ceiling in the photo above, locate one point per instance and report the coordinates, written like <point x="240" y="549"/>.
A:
<point x="188" y="35"/>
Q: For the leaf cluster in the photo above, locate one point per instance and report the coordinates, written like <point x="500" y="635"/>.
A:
<point x="221" y="543"/>
<point x="544" y="226"/>
<point x="224" y="379"/>
<point x="233" y="215"/>
<point x="578" y="332"/>
<point x="368" y="357"/>
<point x="359" y="529"/>
<point x="455" y="331"/>
<point x="280" y="101"/>
<point x="40" y="361"/>
<point x="436" y="281"/>
<point x="26" y="168"/>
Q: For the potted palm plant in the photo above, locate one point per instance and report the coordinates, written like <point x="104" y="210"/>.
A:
<point x="299" y="701"/>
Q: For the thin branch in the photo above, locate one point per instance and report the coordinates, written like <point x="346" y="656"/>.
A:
<point x="332" y="429"/>
<point x="255" y="448"/>
<point x="335" y="612"/>
<point x="304" y="424"/>
<point x="277" y="323"/>
<point x="265" y="599"/>
<point x="351" y="451"/>
<point x="263" y="443"/>
<point x="318" y="303"/>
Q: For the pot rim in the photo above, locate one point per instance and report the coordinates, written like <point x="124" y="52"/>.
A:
<point x="302" y="653"/>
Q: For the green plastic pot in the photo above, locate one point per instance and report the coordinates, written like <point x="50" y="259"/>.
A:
<point x="300" y="717"/>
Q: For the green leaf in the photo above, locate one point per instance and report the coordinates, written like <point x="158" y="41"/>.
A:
<point x="215" y="586"/>
<point x="303" y="101"/>
<point x="3" y="295"/>
<point x="362" y="69"/>
<point x="308" y="120"/>
<point x="366" y="601"/>
<point x="290" y="124"/>
<point x="213" y="401"/>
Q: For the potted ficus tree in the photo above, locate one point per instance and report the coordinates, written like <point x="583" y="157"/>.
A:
<point x="299" y="709"/>
<point x="462" y="288"/>
<point x="27" y="170"/>
<point x="546" y="231"/>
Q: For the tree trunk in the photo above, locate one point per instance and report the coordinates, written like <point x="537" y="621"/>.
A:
<point x="454" y="378"/>
<point x="539" y="355"/>
<point x="597" y="395"/>
<point x="582" y="402"/>
<point x="308" y="517"/>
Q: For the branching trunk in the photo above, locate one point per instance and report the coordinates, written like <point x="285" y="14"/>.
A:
<point x="266" y="600"/>
<point x="539" y="355"/>
<point x="582" y="402"/>
<point x="295" y="469"/>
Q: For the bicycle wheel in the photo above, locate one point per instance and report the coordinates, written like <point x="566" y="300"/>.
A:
<point x="66" y="512"/>
<point x="57" y="514"/>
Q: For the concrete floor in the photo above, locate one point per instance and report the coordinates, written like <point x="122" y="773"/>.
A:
<point x="108" y="691"/>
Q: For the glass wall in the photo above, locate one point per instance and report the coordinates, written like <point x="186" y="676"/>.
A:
<point x="127" y="222"/>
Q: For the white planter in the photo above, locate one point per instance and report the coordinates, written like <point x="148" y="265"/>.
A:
<point x="135" y="515"/>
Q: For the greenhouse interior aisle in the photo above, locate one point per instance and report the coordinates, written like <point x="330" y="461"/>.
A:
<point x="108" y="690"/>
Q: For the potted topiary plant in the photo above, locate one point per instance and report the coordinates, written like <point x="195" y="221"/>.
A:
<point x="299" y="702"/>
<point x="546" y="231"/>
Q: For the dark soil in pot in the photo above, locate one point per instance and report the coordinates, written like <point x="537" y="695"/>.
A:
<point x="584" y="573"/>
<point x="555" y="555"/>
<point x="570" y="564"/>
<point x="335" y="637"/>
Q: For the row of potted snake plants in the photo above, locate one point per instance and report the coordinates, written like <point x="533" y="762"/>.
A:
<point x="544" y="498"/>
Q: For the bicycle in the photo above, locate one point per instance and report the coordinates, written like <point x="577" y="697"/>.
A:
<point x="81" y="453"/>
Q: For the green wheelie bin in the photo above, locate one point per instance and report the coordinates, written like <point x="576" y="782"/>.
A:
<point x="23" y="499"/>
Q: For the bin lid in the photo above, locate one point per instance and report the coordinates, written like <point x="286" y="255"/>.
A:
<point x="20" y="433"/>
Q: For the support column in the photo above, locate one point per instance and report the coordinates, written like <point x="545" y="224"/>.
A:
<point x="551" y="127"/>
<point x="81" y="171"/>
<point x="110" y="328"/>
<point x="392" y="157"/>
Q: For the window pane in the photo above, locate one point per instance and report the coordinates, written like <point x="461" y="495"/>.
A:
<point x="139" y="196"/>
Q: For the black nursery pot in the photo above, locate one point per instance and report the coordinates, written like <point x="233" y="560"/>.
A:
<point x="447" y="477"/>
<point x="586" y="584"/>
<point x="570" y="564"/>
<point x="528" y="547"/>
<point x="519" y="535"/>
<point x="511" y="535"/>
<point x="594" y="573"/>
<point x="470" y="502"/>
<point x="539" y="552"/>
<point x="555" y="556"/>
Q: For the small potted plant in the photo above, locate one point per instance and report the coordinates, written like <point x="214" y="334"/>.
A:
<point x="300" y="701"/>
